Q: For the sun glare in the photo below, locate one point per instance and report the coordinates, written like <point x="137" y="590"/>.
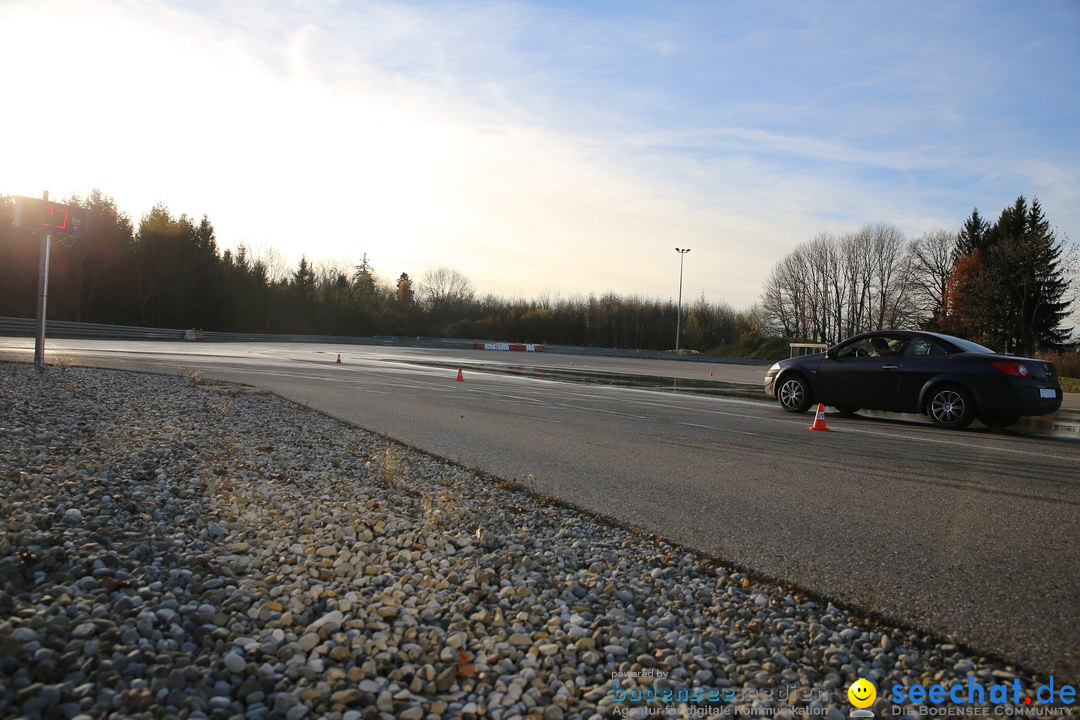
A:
<point x="158" y="105"/>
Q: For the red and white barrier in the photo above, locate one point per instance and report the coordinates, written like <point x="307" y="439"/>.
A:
<point x="518" y="347"/>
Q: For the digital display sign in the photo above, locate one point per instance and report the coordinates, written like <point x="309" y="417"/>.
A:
<point x="51" y="217"/>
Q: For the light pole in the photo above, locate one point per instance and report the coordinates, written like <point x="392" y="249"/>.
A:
<point x="678" y="318"/>
<point x="43" y="293"/>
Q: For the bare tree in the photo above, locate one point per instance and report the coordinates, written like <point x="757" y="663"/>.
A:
<point x="931" y="263"/>
<point x="890" y="276"/>
<point x="276" y="267"/>
<point x="858" y="267"/>
<point x="331" y="272"/>
<point x="784" y="298"/>
<point x="444" y="289"/>
<point x="829" y="288"/>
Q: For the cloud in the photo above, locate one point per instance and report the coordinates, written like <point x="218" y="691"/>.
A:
<point x="545" y="148"/>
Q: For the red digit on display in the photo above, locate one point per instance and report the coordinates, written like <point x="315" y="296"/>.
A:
<point x="53" y="210"/>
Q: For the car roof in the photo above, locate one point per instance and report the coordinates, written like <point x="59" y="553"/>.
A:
<point x="955" y="344"/>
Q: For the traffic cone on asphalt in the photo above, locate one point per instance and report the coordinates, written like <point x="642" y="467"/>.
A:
<point x="460" y="377"/>
<point x="819" y="421"/>
<point x="339" y="359"/>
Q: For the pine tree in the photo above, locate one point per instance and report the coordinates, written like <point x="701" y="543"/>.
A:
<point x="1012" y="295"/>
<point x="1044" y="306"/>
<point x="973" y="236"/>
<point x="405" y="291"/>
<point x="364" y="283"/>
<point x="303" y="280"/>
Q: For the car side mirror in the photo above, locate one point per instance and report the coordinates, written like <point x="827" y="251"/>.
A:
<point x="831" y="353"/>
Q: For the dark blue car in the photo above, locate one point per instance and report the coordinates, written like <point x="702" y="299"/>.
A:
<point x="951" y="380"/>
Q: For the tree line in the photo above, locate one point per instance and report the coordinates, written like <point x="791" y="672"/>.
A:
<point x="1006" y="284"/>
<point x="168" y="271"/>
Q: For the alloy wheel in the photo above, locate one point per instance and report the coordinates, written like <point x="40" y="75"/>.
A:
<point x="950" y="407"/>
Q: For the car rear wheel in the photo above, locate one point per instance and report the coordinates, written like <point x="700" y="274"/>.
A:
<point x="950" y="407"/>
<point x="794" y="394"/>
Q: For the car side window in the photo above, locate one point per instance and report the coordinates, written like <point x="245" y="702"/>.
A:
<point x="922" y="346"/>
<point x="857" y="349"/>
<point x="896" y="346"/>
<point x="876" y="346"/>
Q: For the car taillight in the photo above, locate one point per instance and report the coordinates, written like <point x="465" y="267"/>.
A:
<point x="1011" y="367"/>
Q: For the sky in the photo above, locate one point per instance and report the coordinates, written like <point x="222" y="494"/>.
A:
<point x="551" y="148"/>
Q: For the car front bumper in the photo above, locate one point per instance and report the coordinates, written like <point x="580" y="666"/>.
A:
<point x="770" y="380"/>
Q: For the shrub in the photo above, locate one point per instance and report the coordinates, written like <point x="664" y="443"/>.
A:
<point x="1070" y="385"/>
<point x="1067" y="363"/>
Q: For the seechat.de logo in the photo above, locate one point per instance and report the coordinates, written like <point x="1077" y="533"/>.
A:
<point x="974" y="692"/>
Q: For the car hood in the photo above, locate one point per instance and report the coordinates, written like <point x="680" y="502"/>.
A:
<point x="803" y="361"/>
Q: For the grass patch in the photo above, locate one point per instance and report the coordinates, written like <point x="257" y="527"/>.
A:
<point x="754" y="348"/>
<point x="391" y="466"/>
<point x="1069" y="384"/>
<point x="447" y="508"/>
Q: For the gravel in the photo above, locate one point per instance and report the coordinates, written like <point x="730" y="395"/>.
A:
<point x="174" y="548"/>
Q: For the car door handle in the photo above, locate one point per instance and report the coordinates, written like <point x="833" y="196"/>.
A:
<point x="890" y="367"/>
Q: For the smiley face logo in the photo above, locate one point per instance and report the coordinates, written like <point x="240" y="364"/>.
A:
<point x="862" y="693"/>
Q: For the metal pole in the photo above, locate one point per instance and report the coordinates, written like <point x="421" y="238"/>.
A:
<point x="43" y="293"/>
<point x="678" y="317"/>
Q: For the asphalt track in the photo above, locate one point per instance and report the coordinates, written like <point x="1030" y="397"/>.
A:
<point x="970" y="535"/>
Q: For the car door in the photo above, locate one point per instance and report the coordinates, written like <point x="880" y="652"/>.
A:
<point x="922" y="360"/>
<point x="857" y="378"/>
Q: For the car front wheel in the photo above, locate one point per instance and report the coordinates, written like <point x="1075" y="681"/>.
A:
<point x="950" y="407"/>
<point x="794" y="394"/>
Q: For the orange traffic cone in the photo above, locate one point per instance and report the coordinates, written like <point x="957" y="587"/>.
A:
<point x="819" y="421"/>
<point x="460" y="377"/>
<point x="339" y="359"/>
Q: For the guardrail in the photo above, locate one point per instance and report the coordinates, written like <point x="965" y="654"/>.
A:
<point x="651" y="355"/>
<point x="64" y="328"/>
<point x="69" y="329"/>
